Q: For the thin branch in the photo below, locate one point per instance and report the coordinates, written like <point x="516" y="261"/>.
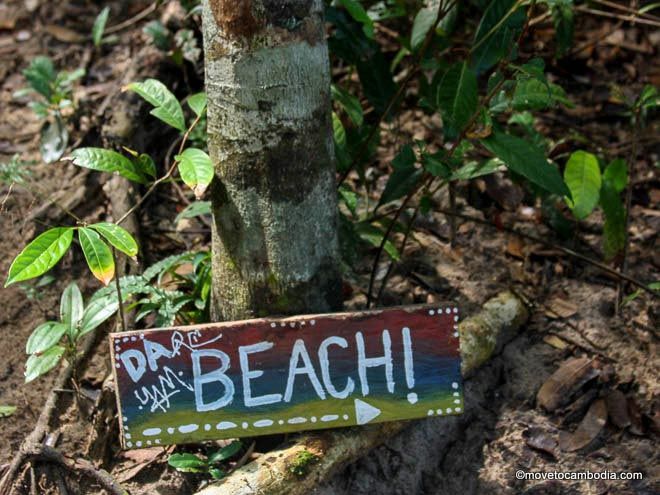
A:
<point x="162" y="179"/>
<point x="136" y="18"/>
<point x="633" y="18"/>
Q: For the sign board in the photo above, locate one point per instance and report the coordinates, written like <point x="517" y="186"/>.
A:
<point x="264" y="376"/>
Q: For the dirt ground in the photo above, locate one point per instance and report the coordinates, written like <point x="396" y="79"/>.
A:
<point x="615" y="410"/>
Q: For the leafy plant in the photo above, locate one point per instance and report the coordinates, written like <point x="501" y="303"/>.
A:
<point x="52" y="341"/>
<point x="99" y="26"/>
<point x="54" y="103"/>
<point x="191" y="463"/>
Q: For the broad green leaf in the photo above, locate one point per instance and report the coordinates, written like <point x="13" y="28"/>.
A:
<point x="404" y="177"/>
<point x="166" y="106"/>
<point x="107" y="161"/>
<point x="582" y="176"/>
<point x="501" y="23"/>
<point x="359" y="14"/>
<point x="377" y="82"/>
<point x="196" y="169"/>
<point x="424" y="21"/>
<point x="188" y="463"/>
<point x="99" y="26"/>
<point x="44" y="337"/>
<point x="527" y="160"/>
<point x="341" y="147"/>
<point x="71" y="308"/>
<point x="472" y="170"/>
<point x="197" y="103"/>
<point x="532" y="94"/>
<point x="226" y="452"/>
<point x="98" y="311"/>
<point x="40" y="255"/>
<point x="54" y="139"/>
<point x="349" y="103"/>
<point x="145" y="165"/>
<point x="41" y="75"/>
<point x="435" y="165"/>
<point x="194" y="209"/>
<point x="40" y="364"/>
<point x="616" y="173"/>
<point x="349" y="197"/>
<point x="118" y="237"/>
<point x="374" y="236"/>
<point x="6" y="411"/>
<point x="97" y="254"/>
<point x="217" y="473"/>
<point x="457" y="97"/>
<point x="614" y="227"/>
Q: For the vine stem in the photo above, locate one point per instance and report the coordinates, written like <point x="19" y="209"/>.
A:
<point x="122" y="314"/>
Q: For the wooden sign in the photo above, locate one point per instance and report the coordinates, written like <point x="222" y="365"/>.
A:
<point x="264" y="376"/>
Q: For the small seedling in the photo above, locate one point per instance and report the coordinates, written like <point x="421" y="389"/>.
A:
<point x="191" y="463"/>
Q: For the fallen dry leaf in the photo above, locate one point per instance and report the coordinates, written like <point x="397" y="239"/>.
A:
<point x="555" y="342"/>
<point x="617" y="409"/>
<point x="563" y="383"/>
<point x="138" y="460"/>
<point x="558" y="307"/>
<point x="590" y="427"/>
<point x="63" y="34"/>
<point x="538" y="439"/>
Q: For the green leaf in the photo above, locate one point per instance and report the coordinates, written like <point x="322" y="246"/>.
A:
<point x="145" y="165"/>
<point x="404" y="177"/>
<point x="71" y="308"/>
<point x="99" y="26"/>
<point x="501" y="23"/>
<point x="97" y="254"/>
<point x="360" y="15"/>
<point x="40" y="364"/>
<point x="582" y="176"/>
<point x="197" y="103"/>
<point x="457" y="97"/>
<point x="107" y="161"/>
<point x="436" y="165"/>
<point x="118" y="237"/>
<point x="532" y="94"/>
<point x="217" y="473"/>
<point x="6" y="411"/>
<point x="349" y="197"/>
<point x="188" y="463"/>
<point x="98" y="311"/>
<point x="167" y="107"/>
<point x="40" y="255"/>
<point x="349" y="103"/>
<point x="194" y="209"/>
<point x="616" y="173"/>
<point x="374" y="236"/>
<point x="472" y="170"/>
<point x="40" y="75"/>
<point x="527" y="160"/>
<point x="196" y="169"/>
<point x="44" y="337"/>
<point x="424" y="21"/>
<point x="614" y="228"/>
<point x="226" y="452"/>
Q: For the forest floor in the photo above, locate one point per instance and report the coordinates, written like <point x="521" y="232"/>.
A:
<point x="608" y="418"/>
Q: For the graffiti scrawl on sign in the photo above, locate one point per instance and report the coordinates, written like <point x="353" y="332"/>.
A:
<point x="263" y="376"/>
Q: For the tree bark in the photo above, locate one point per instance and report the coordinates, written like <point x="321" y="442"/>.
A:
<point x="274" y="242"/>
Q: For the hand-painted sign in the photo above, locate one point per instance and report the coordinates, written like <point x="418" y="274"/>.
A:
<point x="263" y="376"/>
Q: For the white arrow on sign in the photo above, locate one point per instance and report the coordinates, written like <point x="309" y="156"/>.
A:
<point x="365" y="412"/>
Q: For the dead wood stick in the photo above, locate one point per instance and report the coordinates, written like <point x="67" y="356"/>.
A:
<point x="481" y="337"/>
<point x="80" y="466"/>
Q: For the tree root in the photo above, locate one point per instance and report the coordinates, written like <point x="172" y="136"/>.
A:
<point x="273" y="473"/>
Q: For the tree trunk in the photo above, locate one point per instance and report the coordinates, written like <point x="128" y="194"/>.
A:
<point x="275" y="248"/>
